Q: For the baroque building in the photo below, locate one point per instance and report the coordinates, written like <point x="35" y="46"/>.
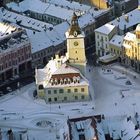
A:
<point x="62" y="79"/>
<point x="131" y="49"/>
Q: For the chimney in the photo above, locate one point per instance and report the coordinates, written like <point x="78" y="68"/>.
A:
<point x="126" y="17"/>
<point x="118" y="19"/>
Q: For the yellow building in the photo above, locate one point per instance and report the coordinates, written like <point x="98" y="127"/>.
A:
<point x="62" y="79"/>
<point x="131" y="49"/>
<point x="76" y="46"/>
<point x="101" y="4"/>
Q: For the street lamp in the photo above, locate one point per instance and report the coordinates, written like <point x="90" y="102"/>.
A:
<point x="18" y="84"/>
<point x="18" y="87"/>
<point x="50" y="106"/>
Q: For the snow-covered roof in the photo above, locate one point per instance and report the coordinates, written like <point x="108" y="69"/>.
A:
<point x="88" y="126"/>
<point x="43" y="8"/>
<point x="127" y="20"/>
<point x="75" y="6"/>
<point x="108" y="58"/>
<point x="130" y="36"/>
<point x="25" y="21"/>
<point x="6" y="29"/>
<point x="82" y="125"/>
<point x="11" y="37"/>
<point x="43" y="76"/>
<point x="105" y="29"/>
<point x="65" y="69"/>
<point x="55" y="8"/>
<point x="42" y="40"/>
<point x="117" y="40"/>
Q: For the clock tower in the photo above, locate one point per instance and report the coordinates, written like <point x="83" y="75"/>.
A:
<point x="76" y="46"/>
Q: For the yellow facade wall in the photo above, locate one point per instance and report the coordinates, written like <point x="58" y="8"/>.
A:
<point x="70" y="96"/>
<point x="41" y="94"/>
<point x="101" y="4"/>
<point x="115" y="50"/>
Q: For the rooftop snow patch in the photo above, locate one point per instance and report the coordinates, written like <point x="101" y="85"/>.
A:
<point x="106" y="29"/>
<point x="117" y="40"/>
<point x="130" y="36"/>
<point x="128" y="20"/>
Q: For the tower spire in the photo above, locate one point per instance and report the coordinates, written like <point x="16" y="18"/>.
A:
<point x="75" y="45"/>
<point x="74" y="28"/>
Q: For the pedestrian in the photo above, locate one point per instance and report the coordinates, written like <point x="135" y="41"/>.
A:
<point x="59" y="107"/>
<point x="122" y="96"/>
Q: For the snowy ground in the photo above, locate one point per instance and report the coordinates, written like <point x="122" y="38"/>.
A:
<point x="113" y="97"/>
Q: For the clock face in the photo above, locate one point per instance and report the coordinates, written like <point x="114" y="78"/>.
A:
<point x="75" y="43"/>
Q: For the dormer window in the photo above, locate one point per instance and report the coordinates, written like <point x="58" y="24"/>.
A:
<point x="78" y="79"/>
<point x="65" y="80"/>
<point x="74" y="79"/>
<point x="56" y="81"/>
<point x="61" y="81"/>
<point x="69" y="81"/>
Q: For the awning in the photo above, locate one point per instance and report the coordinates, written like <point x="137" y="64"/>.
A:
<point x="108" y="58"/>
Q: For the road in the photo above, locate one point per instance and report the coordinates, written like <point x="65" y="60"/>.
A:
<point x="14" y="84"/>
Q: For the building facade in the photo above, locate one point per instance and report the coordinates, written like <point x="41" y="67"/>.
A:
<point x="102" y="36"/>
<point x="115" y="45"/>
<point x="126" y="48"/>
<point x="127" y="22"/>
<point x="44" y="17"/>
<point x="15" y="52"/>
<point x="131" y="49"/>
<point x="64" y="86"/>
